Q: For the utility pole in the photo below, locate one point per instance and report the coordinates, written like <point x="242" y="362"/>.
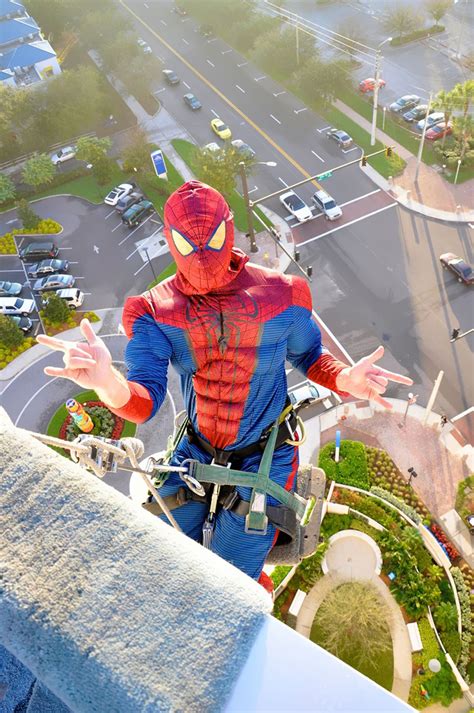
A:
<point x="297" y="44"/>
<point x="433" y="396"/>
<point x="378" y="59"/>
<point x="248" y="207"/>
<point x="422" y="142"/>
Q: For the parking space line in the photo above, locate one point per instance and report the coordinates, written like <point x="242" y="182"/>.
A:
<point x="135" y="229"/>
<point x="214" y="39"/>
<point x="253" y="190"/>
<point x="79" y="278"/>
<point x="116" y="227"/>
<point x="318" y="156"/>
<point x="112" y="212"/>
<point x="346" y="225"/>
<point x="320" y="131"/>
<point x="64" y="248"/>
<point x="298" y="111"/>
<point x="242" y="64"/>
<point x="87" y="293"/>
<point x="140" y="269"/>
<point x="354" y="148"/>
<point x="132" y="253"/>
<point x="278" y="94"/>
<point x="284" y="182"/>
<point x="258" y="79"/>
<point x="226" y="51"/>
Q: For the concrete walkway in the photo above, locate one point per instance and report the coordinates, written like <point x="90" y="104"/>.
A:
<point x="431" y="195"/>
<point x="345" y="562"/>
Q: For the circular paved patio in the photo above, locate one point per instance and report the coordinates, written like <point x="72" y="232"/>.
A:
<point x="352" y="555"/>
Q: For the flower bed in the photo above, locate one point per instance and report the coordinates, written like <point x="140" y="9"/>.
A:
<point x="106" y="423"/>
<point x="7" y="355"/>
<point x="48" y="226"/>
<point x="446" y="545"/>
<point x="352" y="467"/>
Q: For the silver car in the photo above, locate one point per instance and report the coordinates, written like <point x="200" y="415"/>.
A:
<point x="53" y="282"/>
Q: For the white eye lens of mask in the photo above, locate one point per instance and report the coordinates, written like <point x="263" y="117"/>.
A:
<point x="217" y="240"/>
<point x="182" y="245"/>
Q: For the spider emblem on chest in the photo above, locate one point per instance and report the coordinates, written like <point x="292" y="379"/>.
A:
<point x="223" y="320"/>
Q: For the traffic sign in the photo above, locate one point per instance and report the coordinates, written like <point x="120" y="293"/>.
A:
<point x="159" y="163"/>
<point x="324" y="176"/>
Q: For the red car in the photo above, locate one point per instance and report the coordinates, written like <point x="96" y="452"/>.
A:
<point x="368" y="85"/>
<point x="438" y="131"/>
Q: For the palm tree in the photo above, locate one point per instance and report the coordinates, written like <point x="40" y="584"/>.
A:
<point x="464" y="95"/>
<point x="464" y="129"/>
<point x="445" y="102"/>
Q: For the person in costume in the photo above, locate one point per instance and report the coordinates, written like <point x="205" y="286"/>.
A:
<point x="227" y="326"/>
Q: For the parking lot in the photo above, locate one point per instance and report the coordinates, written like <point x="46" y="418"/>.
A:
<point x="108" y="260"/>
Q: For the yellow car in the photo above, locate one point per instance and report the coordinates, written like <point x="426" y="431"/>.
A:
<point x="221" y="129"/>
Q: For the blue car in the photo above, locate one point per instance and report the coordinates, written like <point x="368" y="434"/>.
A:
<point x="10" y="289"/>
<point x="192" y="101"/>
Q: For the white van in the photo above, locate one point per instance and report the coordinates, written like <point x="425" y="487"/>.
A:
<point x="72" y="296"/>
<point x="326" y="205"/>
<point x="16" y="305"/>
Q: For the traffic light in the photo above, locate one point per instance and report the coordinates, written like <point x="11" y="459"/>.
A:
<point x="364" y="160"/>
<point x="388" y="151"/>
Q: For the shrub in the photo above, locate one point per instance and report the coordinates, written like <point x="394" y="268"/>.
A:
<point x="443" y="686"/>
<point x="352" y="467"/>
<point x="56" y="310"/>
<point x="448" y="548"/>
<point x="309" y="571"/>
<point x="465" y="501"/>
<point x="29" y="219"/>
<point x="334" y="523"/>
<point x="466" y="622"/>
<point x="452" y="644"/>
<point x="279" y="574"/>
<point x="400" y="504"/>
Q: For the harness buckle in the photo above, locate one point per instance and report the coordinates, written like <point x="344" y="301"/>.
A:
<point x="256" y="522"/>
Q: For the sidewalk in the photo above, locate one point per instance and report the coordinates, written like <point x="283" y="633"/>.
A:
<point x="431" y="195"/>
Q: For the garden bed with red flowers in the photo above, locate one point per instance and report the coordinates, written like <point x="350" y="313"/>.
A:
<point x="446" y="545"/>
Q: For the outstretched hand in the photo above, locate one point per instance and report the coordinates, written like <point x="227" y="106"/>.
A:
<point x="366" y="380"/>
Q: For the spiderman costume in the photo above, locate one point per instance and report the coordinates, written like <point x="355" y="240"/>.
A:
<point x="227" y="326"/>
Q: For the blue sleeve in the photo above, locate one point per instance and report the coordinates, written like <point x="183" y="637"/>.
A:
<point x="147" y="357"/>
<point x="304" y="341"/>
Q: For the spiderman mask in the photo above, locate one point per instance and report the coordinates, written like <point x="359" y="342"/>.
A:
<point x="199" y="228"/>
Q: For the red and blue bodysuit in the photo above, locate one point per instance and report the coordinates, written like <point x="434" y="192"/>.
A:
<point x="227" y="326"/>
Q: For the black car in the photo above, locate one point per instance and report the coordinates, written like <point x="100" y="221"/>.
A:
<point x="461" y="269"/>
<point x="127" y="201"/>
<point x="39" y="251"/>
<point x="404" y="104"/>
<point x="206" y="30"/>
<point x="417" y="113"/>
<point x="47" y="267"/>
<point x="170" y="76"/>
<point x="24" y="323"/>
<point x="192" y="101"/>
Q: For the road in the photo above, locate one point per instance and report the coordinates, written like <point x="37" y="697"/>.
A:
<point x="380" y="256"/>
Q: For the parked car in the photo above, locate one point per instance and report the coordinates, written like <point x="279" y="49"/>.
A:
<point x="212" y="147"/>
<point x="25" y="323"/>
<point x="39" y="251"/>
<point x="63" y="155"/>
<point x="244" y="149"/>
<point x="144" y="45"/>
<point x="417" y="113"/>
<point x="221" y="129"/>
<point x="438" y="131"/>
<point x="308" y="394"/>
<point x="127" y="201"/>
<point x="404" y="103"/>
<point x="296" y="206"/>
<point x="206" y="30"/>
<point x="53" y="282"/>
<point x="118" y="192"/>
<point x="10" y="289"/>
<point x="435" y="118"/>
<point x="170" y="76"/>
<point x="368" y="85"/>
<point x="72" y="296"/>
<point x="47" y="267"/>
<point x="16" y="305"/>
<point x="463" y="271"/>
<point x="342" y="139"/>
<point x="326" y="205"/>
<point x="136" y="214"/>
<point x="192" y="101"/>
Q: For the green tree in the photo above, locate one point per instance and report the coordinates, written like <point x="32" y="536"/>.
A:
<point x="29" y="219"/>
<point x="53" y="16"/>
<point x="56" y="309"/>
<point x="98" y="27"/>
<point x="11" y="335"/>
<point x="463" y="127"/>
<point x="136" y="155"/>
<point x="402" y="19"/>
<point x="446" y="616"/>
<point x="103" y="169"/>
<point x="320" y="81"/>
<point x="38" y="170"/>
<point x="90" y="149"/>
<point x="438" y="8"/>
<point x="7" y="188"/>
<point x="445" y="102"/>
<point x="352" y="34"/>
<point x="276" y="50"/>
<point x="355" y="623"/>
<point x="218" y="168"/>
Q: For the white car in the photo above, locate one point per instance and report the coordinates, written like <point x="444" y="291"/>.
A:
<point x="117" y="193"/>
<point x="16" y="305"/>
<point x="212" y="147"/>
<point x="145" y="47"/>
<point x="308" y="394"/>
<point x="296" y="206"/>
<point x="72" y="296"/>
<point x="326" y="205"/>
<point x="64" y="154"/>
<point x="436" y="118"/>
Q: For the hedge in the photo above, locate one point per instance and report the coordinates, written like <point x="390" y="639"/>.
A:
<point x="400" y="504"/>
<point x="352" y="466"/>
<point x="417" y="35"/>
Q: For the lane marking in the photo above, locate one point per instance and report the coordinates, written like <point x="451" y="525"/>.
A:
<point x="275" y="119"/>
<point x="318" y="156"/>
<point x="242" y="90"/>
<point x="471" y="225"/>
<point x="226" y="51"/>
<point x="186" y="85"/>
<point x="346" y="225"/>
<point x="214" y="39"/>
<point x="298" y="111"/>
<point x="185" y="41"/>
<point x="258" y="79"/>
<point x="242" y="64"/>
<point x="320" y="131"/>
<point x="11" y="270"/>
<point x="157" y="91"/>
<point x="278" y="94"/>
<point x="284" y="182"/>
<point x="164" y="23"/>
<point x="222" y="96"/>
<point x="79" y="278"/>
<point x="253" y="190"/>
<point x="216" y="115"/>
<point x="366" y="195"/>
<point x="211" y="63"/>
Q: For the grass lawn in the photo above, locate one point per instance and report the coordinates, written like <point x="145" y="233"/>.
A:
<point x="86" y="187"/>
<point x="236" y="202"/>
<point x="381" y="672"/>
<point x="167" y="272"/>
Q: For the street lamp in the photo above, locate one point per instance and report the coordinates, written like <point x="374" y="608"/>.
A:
<point x="145" y="250"/>
<point x="248" y="207"/>
<point x="411" y="400"/>
<point x="457" y="171"/>
<point x="413" y="474"/>
<point x="378" y="57"/>
<point x="383" y="119"/>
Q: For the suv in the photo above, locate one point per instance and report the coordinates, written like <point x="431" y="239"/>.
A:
<point x="72" y="296"/>
<point x="16" y="305"/>
<point x="326" y="205"/>
<point x="134" y="215"/>
<point x="127" y="202"/>
<point x="34" y="252"/>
